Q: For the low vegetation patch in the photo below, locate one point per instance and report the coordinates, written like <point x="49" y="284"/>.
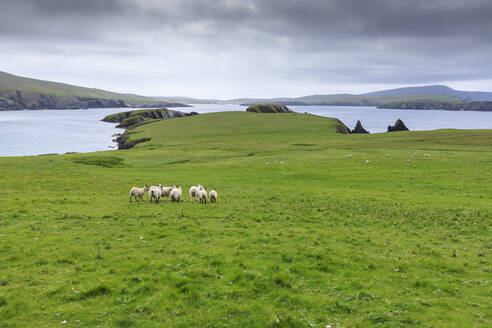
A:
<point x="104" y="161"/>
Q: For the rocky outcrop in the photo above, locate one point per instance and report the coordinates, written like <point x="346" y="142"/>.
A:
<point x="17" y="100"/>
<point x="341" y="128"/>
<point x="399" y="126"/>
<point x="270" y="108"/>
<point x="358" y="128"/>
<point x="135" y="117"/>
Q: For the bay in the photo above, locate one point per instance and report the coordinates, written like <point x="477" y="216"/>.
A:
<point x="60" y="131"/>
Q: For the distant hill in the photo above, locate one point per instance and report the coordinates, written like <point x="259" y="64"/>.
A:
<point x="346" y="100"/>
<point x="431" y="94"/>
<point x="18" y="92"/>
<point x="433" y="90"/>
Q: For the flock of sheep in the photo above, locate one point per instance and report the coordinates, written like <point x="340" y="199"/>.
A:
<point x="174" y="193"/>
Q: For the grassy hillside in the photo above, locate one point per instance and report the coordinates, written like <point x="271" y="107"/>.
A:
<point x="33" y="86"/>
<point x="317" y="240"/>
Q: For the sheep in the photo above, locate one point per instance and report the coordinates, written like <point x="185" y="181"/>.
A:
<point x="194" y="191"/>
<point x="155" y="192"/>
<point x="426" y="155"/>
<point x="367" y="161"/>
<point x="349" y="156"/>
<point x="202" y="195"/>
<point x="176" y="194"/>
<point x="138" y="193"/>
<point x="408" y="160"/>
<point x="166" y="190"/>
<point x="151" y="188"/>
<point x="213" y="196"/>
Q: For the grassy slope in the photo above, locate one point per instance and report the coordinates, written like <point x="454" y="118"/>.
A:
<point x="27" y="85"/>
<point x="319" y="239"/>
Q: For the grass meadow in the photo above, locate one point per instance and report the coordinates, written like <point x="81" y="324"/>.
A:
<point x="316" y="241"/>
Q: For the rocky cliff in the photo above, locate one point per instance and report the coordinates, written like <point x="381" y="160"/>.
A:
<point x="135" y="118"/>
<point x="481" y="106"/>
<point x="17" y="100"/>
<point x="269" y="108"/>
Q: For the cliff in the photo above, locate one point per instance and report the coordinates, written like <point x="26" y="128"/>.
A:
<point x="269" y="108"/>
<point x="135" y="118"/>
<point x="18" y="100"/>
<point x="483" y="106"/>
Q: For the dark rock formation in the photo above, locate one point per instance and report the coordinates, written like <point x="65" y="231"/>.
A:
<point x="124" y="143"/>
<point x="17" y="100"/>
<point x="399" y="126"/>
<point x="341" y="128"/>
<point x="359" y="129"/>
<point x="135" y="117"/>
<point x="270" y="108"/>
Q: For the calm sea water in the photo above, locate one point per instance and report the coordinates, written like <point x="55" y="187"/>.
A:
<point x="34" y="132"/>
<point x="61" y="131"/>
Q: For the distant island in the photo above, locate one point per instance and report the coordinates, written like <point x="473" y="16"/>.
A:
<point x="482" y="106"/>
<point x="18" y="93"/>
<point x="421" y="97"/>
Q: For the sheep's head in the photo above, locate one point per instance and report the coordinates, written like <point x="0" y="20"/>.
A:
<point x="146" y="187"/>
<point x="200" y="187"/>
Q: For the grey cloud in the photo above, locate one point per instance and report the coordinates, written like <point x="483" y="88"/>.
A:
<point x="323" y="41"/>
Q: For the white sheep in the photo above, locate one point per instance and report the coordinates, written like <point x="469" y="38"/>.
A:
<point x="213" y="196"/>
<point x="426" y="155"/>
<point x="166" y="191"/>
<point x="176" y="194"/>
<point x="194" y="191"/>
<point x="202" y="195"/>
<point x="155" y="192"/>
<point x="367" y="161"/>
<point x="138" y="193"/>
<point x="349" y="156"/>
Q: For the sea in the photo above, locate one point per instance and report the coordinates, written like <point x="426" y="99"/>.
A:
<point x="36" y="132"/>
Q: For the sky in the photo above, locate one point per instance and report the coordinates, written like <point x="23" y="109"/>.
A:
<point x="249" y="48"/>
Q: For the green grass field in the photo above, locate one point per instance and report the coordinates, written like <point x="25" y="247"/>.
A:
<point x="318" y="240"/>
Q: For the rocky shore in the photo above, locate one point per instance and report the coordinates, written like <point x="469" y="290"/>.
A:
<point x="17" y="100"/>
<point x="135" y="118"/>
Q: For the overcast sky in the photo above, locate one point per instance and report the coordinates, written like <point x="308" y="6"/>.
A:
<point x="249" y="48"/>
